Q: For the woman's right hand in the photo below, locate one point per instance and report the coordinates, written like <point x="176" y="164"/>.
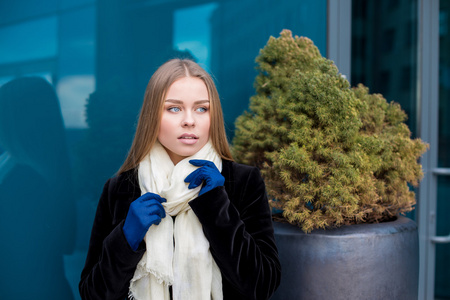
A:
<point x="144" y="212"/>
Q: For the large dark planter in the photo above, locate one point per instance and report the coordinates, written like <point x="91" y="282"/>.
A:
<point x="366" y="261"/>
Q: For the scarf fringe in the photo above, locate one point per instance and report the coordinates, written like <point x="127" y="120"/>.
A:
<point x="142" y="266"/>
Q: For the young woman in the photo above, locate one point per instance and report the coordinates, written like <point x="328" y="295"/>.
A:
<point x="181" y="220"/>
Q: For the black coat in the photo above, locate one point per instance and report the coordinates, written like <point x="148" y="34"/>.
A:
<point x="236" y="221"/>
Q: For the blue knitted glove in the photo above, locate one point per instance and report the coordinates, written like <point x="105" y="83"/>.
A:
<point x="208" y="174"/>
<point x="144" y="211"/>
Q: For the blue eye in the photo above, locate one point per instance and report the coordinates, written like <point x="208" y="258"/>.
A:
<point x="174" y="109"/>
<point x="202" y="109"/>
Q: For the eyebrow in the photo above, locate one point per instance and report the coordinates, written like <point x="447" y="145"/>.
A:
<point x="181" y="102"/>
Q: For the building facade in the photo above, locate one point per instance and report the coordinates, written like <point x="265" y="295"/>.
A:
<point x="98" y="56"/>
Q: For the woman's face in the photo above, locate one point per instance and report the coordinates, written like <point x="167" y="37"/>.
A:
<point x="185" y="119"/>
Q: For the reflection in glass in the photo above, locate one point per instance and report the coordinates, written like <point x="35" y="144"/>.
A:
<point x="194" y="34"/>
<point x="72" y="91"/>
<point x="442" y="274"/>
<point x="16" y="40"/>
<point x="384" y="51"/>
<point x="241" y="28"/>
<point x="444" y="85"/>
<point x="99" y="55"/>
<point x="37" y="223"/>
<point x="442" y="271"/>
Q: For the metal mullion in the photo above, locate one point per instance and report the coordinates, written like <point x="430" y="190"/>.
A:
<point x="339" y="35"/>
<point x="428" y="102"/>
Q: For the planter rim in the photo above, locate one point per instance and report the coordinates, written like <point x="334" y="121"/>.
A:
<point x="398" y="225"/>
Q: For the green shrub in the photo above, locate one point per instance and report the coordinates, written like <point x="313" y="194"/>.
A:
<point x="330" y="155"/>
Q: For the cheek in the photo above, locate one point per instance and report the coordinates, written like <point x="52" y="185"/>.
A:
<point x="164" y="126"/>
<point x="207" y="125"/>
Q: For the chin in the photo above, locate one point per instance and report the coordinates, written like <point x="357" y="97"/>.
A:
<point x="190" y="153"/>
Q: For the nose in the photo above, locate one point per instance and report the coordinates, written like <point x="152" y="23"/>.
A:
<point x="188" y="120"/>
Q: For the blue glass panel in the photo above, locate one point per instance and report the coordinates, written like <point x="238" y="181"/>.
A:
<point x="442" y="275"/>
<point x="38" y="204"/>
<point x="77" y="42"/>
<point x="20" y="10"/>
<point x="76" y="81"/>
<point x="194" y="35"/>
<point x="444" y="85"/>
<point x="95" y="58"/>
<point x="4" y="80"/>
<point x="71" y="4"/>
<point x="76" y="68"/>
<point x="384" y="51"/>
<point x="35" y="39"/>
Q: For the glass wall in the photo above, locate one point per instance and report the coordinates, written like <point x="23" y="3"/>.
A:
<point x="72" y="79"/>
<point x="384" y="58"/>
<point x="384" y="51"/>
<point x="442" y="284"/>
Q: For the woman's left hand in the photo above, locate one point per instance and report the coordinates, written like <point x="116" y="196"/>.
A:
<point x="207" y="173"/>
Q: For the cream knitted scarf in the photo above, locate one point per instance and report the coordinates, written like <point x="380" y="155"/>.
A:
<point x="177" y="252"/>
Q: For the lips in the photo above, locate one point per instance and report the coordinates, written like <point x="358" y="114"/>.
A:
<point x="187" y="136"/>
<point x="188" y="139"/>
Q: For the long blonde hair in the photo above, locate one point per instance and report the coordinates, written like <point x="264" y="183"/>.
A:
<point x="150" y="117"/>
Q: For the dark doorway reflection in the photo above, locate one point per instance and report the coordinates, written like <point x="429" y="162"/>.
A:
<point x="37" y="224"/>
<point x="384" y="51"/>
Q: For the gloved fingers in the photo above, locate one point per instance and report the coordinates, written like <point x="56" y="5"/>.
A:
<point x="207" y="165"/>
<point x="150" y="196"/>
<point x="145" y="201"/>
<point x="202" y="163"/>
<point x="192" y="176"/>
<point x="151" y="220"/>
<point x="154" y="219"/>
<point x="196" y="178"/>
<point x="156" y="208"/>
